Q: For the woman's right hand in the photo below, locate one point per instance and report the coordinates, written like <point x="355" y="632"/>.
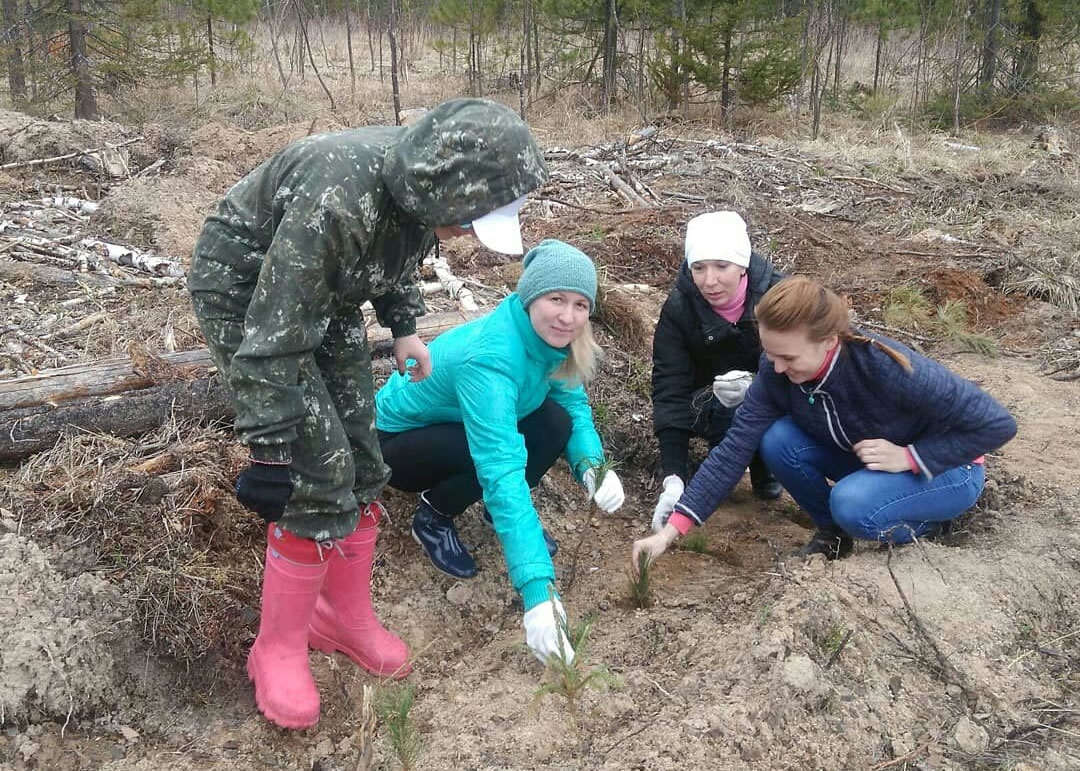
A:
<point x="652" y="546"/>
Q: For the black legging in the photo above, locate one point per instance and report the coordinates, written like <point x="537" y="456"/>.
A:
<point x="437" y="459"/>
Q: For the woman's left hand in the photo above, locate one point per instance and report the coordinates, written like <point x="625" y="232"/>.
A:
<point x="651" y="547"/>
<point x="882" y="455"/>
<point x="412" y="347"/>
<point x="609" y="495"/>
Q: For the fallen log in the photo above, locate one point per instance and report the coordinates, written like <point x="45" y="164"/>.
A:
<point x="113" y="376"/>
<point x="129" y="396"/>
<point x="26" y="431"/>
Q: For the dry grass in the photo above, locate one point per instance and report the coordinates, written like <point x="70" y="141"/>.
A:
<point x="174" y="539"/>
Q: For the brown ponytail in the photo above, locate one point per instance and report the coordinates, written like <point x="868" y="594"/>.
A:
<point x="801" y="302"/>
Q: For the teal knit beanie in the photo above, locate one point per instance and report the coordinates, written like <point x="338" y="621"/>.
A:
<point x="553" y="266"/>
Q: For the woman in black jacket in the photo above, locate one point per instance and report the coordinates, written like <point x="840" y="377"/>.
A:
<point x="706" y="349"/>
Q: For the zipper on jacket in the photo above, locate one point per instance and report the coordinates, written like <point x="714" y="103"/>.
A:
<point x="826" y="400"/>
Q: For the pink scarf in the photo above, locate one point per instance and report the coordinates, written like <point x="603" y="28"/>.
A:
<point x="732" y="312"/>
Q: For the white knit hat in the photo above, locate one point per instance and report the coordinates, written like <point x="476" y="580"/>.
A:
<point x="718" y="235"/>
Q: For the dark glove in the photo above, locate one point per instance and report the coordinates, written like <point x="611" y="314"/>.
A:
<point x="265" y="489"/>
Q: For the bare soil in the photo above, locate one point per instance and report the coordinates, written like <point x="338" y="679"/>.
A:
<point x="131" y="587"/>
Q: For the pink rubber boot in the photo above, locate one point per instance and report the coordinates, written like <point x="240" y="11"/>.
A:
<point x="343" y="619"/>
<point x="285" y="691"/>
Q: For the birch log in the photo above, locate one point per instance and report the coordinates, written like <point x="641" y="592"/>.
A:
<point x="455" y="287"/>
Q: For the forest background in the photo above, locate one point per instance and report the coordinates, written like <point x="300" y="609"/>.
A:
<point x="927" y="63"/>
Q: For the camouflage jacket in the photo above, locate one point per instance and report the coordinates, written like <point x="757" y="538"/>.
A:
<point x="336" y="219"/>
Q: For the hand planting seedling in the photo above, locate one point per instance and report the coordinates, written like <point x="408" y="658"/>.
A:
<point x="568" y="674"/>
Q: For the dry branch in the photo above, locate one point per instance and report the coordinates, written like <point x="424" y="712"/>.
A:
<point x="69" y="156"/>
<point x="620" y="187"/>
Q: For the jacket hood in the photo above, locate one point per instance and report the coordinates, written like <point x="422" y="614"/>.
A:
<point x="461" y="160"/>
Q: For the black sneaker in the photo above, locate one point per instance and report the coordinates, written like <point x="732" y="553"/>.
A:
<point x="551" y="544"/>
<point x="438" y="538"/>
<point x="834" y="544"/>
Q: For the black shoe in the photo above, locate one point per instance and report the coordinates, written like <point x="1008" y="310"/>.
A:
<point x="438" y="538"/>
<point x="551" y="544"/>
<point x="768" y="490"/>
<point x="834" y="544"/>
<point x="938" y="530"/>
<point x="764" y="484"/>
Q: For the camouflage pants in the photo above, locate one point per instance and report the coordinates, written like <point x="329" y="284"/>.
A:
<point x="336" y="460"/>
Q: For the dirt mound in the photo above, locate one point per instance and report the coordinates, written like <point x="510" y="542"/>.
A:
<point x="165" y="214"/>
<point x="55" y="636"/>
<point x="23" y="137"/>
<point x="244" y="150"/>
<point x="986" y="306"/>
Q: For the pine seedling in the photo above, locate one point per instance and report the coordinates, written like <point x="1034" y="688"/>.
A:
<point x="639" y="582"/>
<point x="568" y="674"/>
<point x="695" y="542"/>
<point x="393" y="707"/>
<point x="951" y="322"/>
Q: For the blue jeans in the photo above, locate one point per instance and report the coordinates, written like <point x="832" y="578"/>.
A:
<point x="875" y="505"/>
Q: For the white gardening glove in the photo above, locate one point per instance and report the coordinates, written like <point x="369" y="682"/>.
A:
<point x="730" y="388"/>
<point x="609" y="496"/>
<point x="544" y="631"/>
<point x="673" y="490"/>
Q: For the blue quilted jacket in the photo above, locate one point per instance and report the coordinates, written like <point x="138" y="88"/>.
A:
<point x="943" y="419"/>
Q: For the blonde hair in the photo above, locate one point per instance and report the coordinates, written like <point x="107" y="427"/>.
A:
<point x="802" y="302"/>
<point x="579" y="367"/>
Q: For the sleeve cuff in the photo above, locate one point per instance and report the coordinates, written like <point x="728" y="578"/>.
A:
<point x="680" y="522"/>
<point x="537" y="591"/>
<point x="280" y="454"/>
<point x="403" y="328"/>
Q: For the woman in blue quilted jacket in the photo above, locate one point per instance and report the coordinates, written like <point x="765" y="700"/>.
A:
<point x="504" y="400"/>
<point x="873" y="440"/>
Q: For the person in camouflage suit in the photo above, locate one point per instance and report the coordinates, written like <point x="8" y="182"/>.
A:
<point x="277" y="279"/>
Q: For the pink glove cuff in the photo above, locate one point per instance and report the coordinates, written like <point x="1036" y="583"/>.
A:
<point x="680" y="522"/>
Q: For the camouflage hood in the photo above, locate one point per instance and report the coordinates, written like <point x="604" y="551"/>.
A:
<point x="461" y="160"/>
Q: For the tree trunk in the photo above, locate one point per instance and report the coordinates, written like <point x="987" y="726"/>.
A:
<point x="1027" y="60"/>
<point x="611" y="50"/>
<point x="311" y="57"/>
<point x="13" y="43"/>
<point x="348" y="45"/>
<point x="988" y="66"/>
<point x="274" y="44"/>
<point x="841" y="38"/>
<point x="725" y="77"/>
<point x="85" y="101"/>
<point x="961" y="45"/>
<point x="392" y="30"/>
<point x="211" y="61"/>
<point x="370" y="36"/>
<point x="28" y="25"/>
<point x="523" y="70"/>
<point x="878" y="51"/>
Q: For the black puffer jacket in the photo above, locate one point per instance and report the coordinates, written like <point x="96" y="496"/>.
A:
<point x="692" y="345"/>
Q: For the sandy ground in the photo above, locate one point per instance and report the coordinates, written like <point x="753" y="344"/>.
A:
<point x="959" y="654"/>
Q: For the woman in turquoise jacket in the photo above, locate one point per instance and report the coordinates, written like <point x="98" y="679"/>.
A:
<point x="504" y="399"/>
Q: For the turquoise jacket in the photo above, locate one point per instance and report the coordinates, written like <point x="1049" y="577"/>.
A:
<point x="488" y="374"/>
